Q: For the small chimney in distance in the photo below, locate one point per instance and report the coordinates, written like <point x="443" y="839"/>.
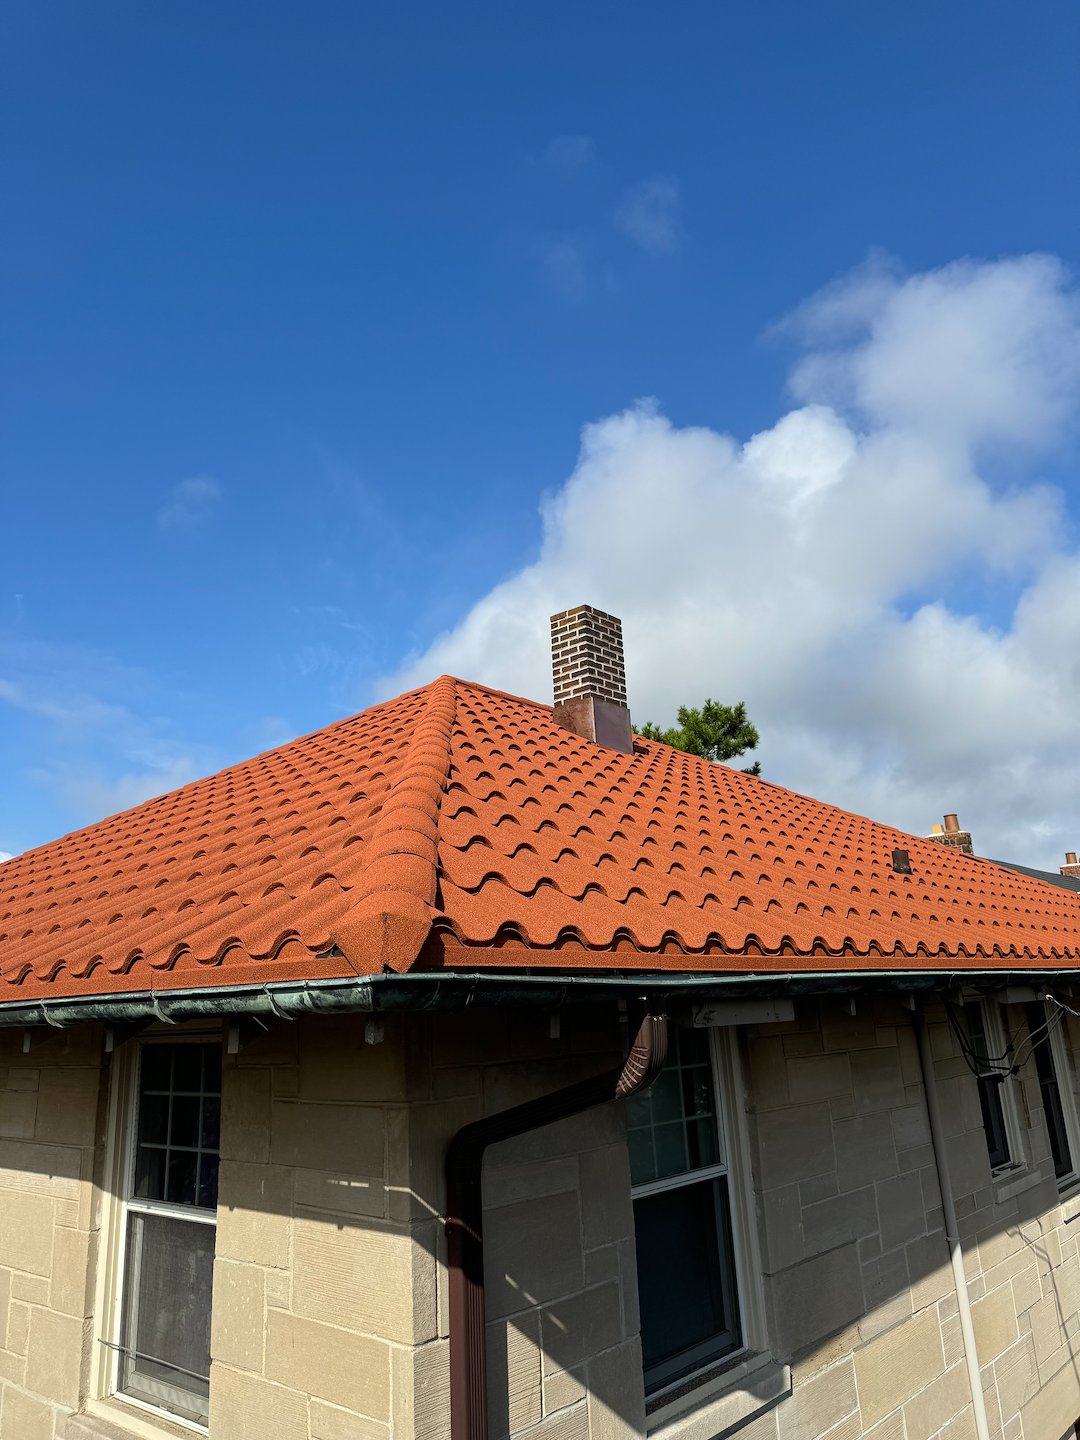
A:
<point x="1071" y="868"/>
<point x="590" y="677"/>
<point x="950" y="834"/>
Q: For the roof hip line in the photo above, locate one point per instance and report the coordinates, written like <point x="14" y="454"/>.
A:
<point x="395" y="906"/>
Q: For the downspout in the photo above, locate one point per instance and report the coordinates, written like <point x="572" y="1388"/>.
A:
<point x="952" y="1231"/>
<point x="465" y="1211"/>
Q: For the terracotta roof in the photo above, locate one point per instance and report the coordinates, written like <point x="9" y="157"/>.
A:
<point x="460" y="827"/>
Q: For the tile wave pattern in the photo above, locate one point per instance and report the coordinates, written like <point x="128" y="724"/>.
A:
<point x="459" y="826"/>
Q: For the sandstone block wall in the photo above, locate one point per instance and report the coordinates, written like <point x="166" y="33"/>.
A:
<point x="857" y="1278"/>
<point x="329" y="1316"/>
<point x="50" y="1140"/>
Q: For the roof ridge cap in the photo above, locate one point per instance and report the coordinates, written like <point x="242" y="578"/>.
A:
<point x="394" y="908"/>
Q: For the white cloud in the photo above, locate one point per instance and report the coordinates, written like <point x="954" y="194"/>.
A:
<point x="808" y="569"/>
<point x="5" y="855"/>
<point x="191" y="502"/>
<point x="100" y="741"/>
<point x="650" y="214"/>
<point x="95" y="794"/>
<point x="567" y="154"/>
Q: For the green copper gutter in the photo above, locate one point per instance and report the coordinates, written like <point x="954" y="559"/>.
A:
<point x="289" y="1000"/>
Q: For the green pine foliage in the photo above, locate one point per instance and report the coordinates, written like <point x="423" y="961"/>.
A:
<point x="715" y="732"/>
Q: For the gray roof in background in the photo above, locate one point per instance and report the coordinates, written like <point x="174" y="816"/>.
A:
<point x="1065" y="882"/>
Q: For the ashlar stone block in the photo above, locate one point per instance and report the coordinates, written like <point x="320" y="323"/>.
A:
<point x="884" y="1368"/>
<point x="347" y="1369"/>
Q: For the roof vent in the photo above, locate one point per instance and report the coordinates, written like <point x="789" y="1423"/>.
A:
<point x="1071" y="868"/>
<point x="950" y="834"/>
<point x="590" y="677"/>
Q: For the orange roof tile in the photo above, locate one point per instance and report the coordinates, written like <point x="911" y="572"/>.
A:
<point x="460" y="827"/>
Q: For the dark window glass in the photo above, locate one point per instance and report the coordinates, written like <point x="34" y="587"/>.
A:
<point x="989" y="1082"/>
<point x="178" y="1123"/>
<point x="672" y="1127"/>
<point x="686" y="1279"/>
<point x="165" y="1341"/>
<point x="1051" y="1091"/>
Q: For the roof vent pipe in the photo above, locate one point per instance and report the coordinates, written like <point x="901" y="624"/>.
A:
<point x="590" y="677"/>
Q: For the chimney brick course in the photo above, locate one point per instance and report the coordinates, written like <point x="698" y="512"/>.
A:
<point x="590" y="676"/>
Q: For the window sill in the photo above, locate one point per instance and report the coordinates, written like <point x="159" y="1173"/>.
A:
<point x="113" y="1420"/>
<point x="721" y="1403"/>
<point x="1069" y="1200"/>
<point x="1015" y="1181"/>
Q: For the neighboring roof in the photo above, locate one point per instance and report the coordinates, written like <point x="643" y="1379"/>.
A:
<point x="1052" y="877"/>
<point x="458" y="827"/>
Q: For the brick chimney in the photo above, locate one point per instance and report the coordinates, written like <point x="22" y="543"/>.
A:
<point x="590" y="677"/>
<point x="950" y="834"/>
<point x="1071" y="868"/>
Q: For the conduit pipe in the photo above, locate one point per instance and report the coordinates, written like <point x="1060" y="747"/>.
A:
<point x="465" y="1211"/>
<point x="952" y="1230"/>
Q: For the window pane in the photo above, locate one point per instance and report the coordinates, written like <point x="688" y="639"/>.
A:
<point x="154" y="1118"/>
<point x="185" y="1120"/>
<point x="156" y="1067"/>
<point x="686" y="1282"/>
<point x="178" y="1123"/>
<point x="187" y="1067"/>
<point x="208" y="1182"/>
<point x="150" y="1173"/>
<point x="211" y="1122"/>
<point x="180" y="1177"/>
<point x="670" y="1142"/>
<point x="165" y="1329"/>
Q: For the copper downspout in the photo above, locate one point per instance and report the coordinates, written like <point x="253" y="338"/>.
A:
<point x="465" y="1211"/>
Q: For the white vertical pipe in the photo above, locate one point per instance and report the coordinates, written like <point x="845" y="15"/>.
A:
<point x="952" y="1232"/>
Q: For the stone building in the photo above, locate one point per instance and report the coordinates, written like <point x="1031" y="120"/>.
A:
<point x="273" y="1047"/>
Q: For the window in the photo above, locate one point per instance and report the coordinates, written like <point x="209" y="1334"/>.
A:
<point x="683" y="1204"/>
<point x="987" y="1054"/>
<point x="1048" y="1052"/>
<point x="167" y="1224"/>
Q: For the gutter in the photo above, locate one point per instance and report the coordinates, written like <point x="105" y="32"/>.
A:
<point x="462" y="989"/>
<point x="465" y="1211"/>
<point x="952" y="1231"/>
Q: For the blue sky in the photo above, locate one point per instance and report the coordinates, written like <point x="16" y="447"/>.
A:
<point x="305" y="308"/>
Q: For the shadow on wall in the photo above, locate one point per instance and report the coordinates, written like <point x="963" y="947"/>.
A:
<point x="331" y="1196"/>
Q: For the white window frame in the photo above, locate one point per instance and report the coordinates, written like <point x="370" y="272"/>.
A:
<point x="118" y="1203"/>
<point x="1009" y="1089"/>
<point x="718" y="1373"/>
<point x="1059" y="1054"/>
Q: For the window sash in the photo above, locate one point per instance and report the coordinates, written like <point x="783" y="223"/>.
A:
<point x="710" y="1265"/>
<point x="726" y="1269"/>
<point x="1056" y="1097"/>
<point x="996" y="1101"/>
<point x="151" y="1375"/>
<point x="142" y="1386"/>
